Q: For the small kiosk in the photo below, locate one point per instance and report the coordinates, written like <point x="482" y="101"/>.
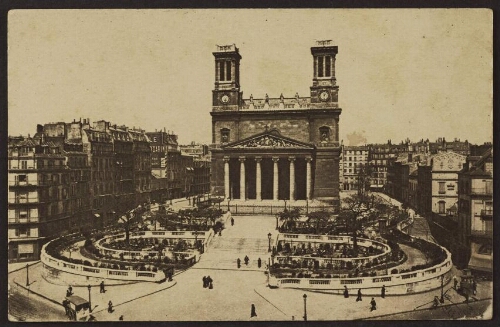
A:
<point x="78" y="308"/>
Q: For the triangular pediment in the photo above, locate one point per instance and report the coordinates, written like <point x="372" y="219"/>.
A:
<point x="268" y="140"/>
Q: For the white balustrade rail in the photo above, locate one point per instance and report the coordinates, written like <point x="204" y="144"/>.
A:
<point x="329" y="239"/>
<point x="89" y="271"/>
<point x="402" y="283"/>
<point x="170" y="235"/>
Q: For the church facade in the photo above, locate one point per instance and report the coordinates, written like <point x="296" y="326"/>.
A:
<point x="284" y="148"/>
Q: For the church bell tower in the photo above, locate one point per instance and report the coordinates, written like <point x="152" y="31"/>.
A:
<point x="226" y="93"/>
<point x="324" y="90"/>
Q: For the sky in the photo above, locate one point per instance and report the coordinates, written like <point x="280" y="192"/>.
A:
<point x="403" y="73"/>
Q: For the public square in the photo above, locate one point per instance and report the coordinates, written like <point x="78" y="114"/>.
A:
<point x="175" y="165"/>
<point x="185" y="299"/>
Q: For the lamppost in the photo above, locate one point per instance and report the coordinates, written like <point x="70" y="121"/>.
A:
<point x="305" y="307"/>
<point x="442" y="285"/>
<point x="90" y="302"/>
<point x="27" y="275"/>
<point x="269" y="239"/>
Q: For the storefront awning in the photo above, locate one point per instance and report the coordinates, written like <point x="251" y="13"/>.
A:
<point x="480" y="259"/>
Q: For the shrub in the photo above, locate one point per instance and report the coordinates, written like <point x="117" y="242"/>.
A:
<point x="394" y="271"/>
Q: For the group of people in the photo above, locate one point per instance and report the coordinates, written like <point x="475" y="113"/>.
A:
<point x="246" y="259"/>
<point x="373" y="303"/>
<point x="208" y="282"/>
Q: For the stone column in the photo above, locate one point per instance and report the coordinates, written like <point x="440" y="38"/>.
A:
<point x="226" y="178"/>
<point x="275" y="178"/>
<point x="292" y="178"/>
<point x="258" y="179"/>
<point x="242" y="178"/>
<point x="308" y="178"/>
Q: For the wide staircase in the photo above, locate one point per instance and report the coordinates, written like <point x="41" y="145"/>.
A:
<point x="248" y="237"/>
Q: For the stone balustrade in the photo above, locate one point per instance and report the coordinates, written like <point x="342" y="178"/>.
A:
<point x="100" y="273"/>
<point x="396" y="284"/>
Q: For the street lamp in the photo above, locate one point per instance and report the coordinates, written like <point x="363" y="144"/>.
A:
<point x="27" y="275"/>
<point x="269" y="239"/>
<point x="442" y="285"/>
<point x="90" y="302"/>
<point x="305" y="307"/>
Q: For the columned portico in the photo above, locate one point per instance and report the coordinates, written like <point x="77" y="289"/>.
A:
<point x="242" y="178"/>
<point x="258" y="179"/>
<point x="265" y="177"/>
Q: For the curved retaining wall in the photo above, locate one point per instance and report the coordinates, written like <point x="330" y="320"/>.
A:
<point x="185" y="235"/>
<point x="301" y="238"/>
<point x="99" y="273"/>
<point x="395" y="284"/>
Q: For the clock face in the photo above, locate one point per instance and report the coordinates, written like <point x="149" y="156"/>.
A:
<point x="323" y="96"/>
<point x="225" y="98"/>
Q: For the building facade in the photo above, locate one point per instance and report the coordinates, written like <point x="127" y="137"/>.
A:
<point x="275" y="148"/>
<point x="354" y="160"/>
<point x="445" y="169"/>
<point x="164" y="156"/>
<point x="47" y="193"/>
<point x="475" y="212"/>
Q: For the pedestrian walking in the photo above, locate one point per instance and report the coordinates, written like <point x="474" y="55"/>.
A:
<point x="346" y="292"/>
<point x="382" y="292"/>
<point x="238" y="262"/>
<point x="110" y="306"/>
<point x="246" y="260"/>
<point x="65" y="304"/>
<point x="435" y="302"/>
<point x="69" y="292"/>
<point x="359" y="296"/>
<point x="101" y="288"/>
<point x="220" y="232"/>
<point x="232" y="221"/>
<point x="474" y="287"/>
<point x="259" y="262"/>
<point x="455" y="282"/>
<point x="204" y="281"/>
<point x="210" y="283"/>
<point x="373" y="305"/>
<point x="121" y="318"/>
<point x="253" y="313"/>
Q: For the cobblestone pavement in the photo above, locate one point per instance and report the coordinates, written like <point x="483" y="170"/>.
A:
<point x="26" y="306"/>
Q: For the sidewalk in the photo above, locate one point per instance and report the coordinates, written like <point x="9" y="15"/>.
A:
<point x="20" y="265"/>
<point x="322" y="306"/>
<point x="118" y="294"/>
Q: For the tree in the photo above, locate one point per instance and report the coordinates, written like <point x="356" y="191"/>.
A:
<point x="289" y="217"/>
<point x="126" y="220"/>
<point x="318" y="219"/>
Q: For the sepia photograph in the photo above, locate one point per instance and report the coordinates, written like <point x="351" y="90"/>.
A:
<point x="299" y="164"/>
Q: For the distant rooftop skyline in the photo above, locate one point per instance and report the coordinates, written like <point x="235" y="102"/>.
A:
<point x="402" y="73"/>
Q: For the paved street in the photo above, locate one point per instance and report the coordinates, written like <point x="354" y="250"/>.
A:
<point x="26" y="306"/>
